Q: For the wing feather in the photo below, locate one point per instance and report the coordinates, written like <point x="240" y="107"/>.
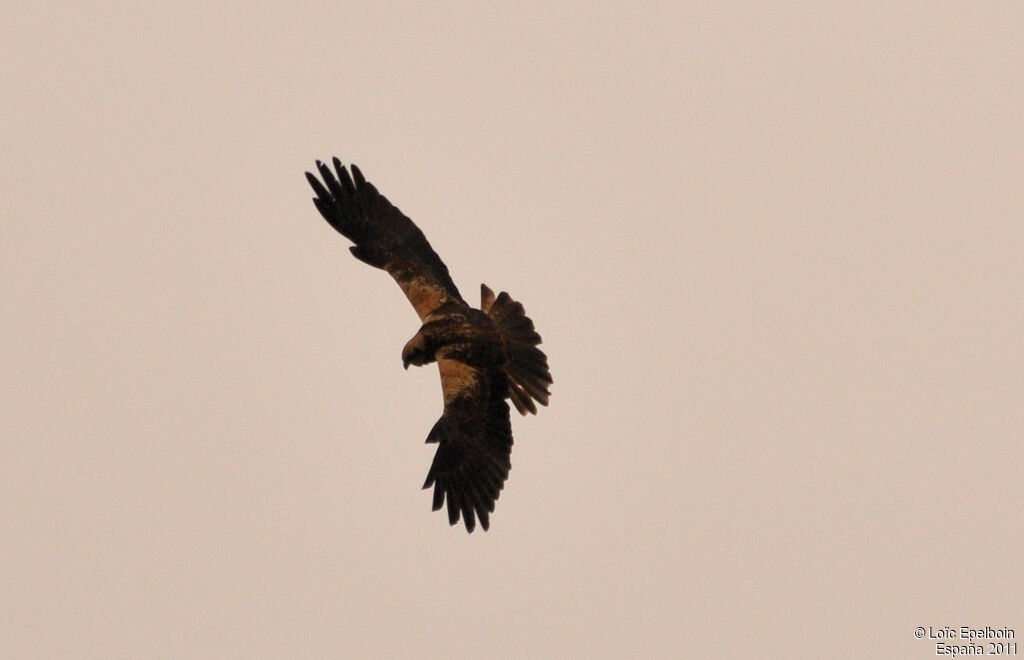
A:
<point x="474" y="437"/>
<point x="384" y="237"/>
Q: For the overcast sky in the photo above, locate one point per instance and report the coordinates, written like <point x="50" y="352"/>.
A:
<point x="775" y="255"/>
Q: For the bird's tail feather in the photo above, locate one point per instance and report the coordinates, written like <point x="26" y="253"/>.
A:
<point x="527" y="366"/>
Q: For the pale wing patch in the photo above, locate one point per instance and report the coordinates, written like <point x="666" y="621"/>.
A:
<point x="457" y="380"/>
<point x="424" y="294"/>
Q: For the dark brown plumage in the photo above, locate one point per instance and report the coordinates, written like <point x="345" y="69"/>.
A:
<point x="484" y="356"/>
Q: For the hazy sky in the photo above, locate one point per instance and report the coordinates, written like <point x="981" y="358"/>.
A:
<point x="775" y="255"/>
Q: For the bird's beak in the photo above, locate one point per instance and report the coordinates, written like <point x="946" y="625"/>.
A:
<point x="405" y="363"/>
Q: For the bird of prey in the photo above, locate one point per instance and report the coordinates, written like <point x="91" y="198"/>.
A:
<point x="484" y="355"/>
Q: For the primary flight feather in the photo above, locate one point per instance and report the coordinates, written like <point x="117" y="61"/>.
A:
<point x="484" y="355"/>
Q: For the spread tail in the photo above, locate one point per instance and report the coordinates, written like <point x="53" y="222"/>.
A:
<point x="527" y="366"/>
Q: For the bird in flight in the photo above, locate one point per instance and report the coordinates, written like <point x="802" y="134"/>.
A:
<point x="484" y="355"/>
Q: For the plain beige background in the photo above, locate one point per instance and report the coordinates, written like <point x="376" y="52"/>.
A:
<point x="775" y="254"/>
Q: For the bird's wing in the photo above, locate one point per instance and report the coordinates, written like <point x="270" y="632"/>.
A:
<point x="383" y="236"/>
<point x="474" y="439"/>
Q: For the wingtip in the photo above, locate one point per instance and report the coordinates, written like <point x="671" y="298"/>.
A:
<point x="357" y="174"/>
<point x="453" y="509"/>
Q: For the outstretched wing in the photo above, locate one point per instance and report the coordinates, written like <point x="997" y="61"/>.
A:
<point x="383" y="236"/>
<point x="474" y="439"/>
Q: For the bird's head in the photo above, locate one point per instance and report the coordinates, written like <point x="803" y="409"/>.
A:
<point x="415" y="352"/>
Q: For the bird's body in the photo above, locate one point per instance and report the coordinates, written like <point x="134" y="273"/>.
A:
<point x="456" y="332"/>
<point x="484" y="355"/>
